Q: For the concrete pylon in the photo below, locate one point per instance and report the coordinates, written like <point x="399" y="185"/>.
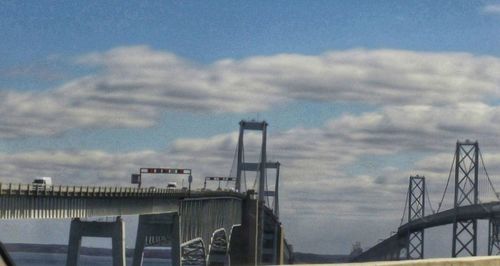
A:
<point x="158" y="230"/>
<point x="79" y="229"/>
<point x="243" y="243"/>
<point x="218" y="251"/>
<point x="271" y="239"/>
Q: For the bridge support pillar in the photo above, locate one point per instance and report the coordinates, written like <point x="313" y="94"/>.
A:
<point x="79" y="229"/>
<point x="271" y="239"/>
<point x="158" y="230"/>
<point x="243" y="246"/>
<point x="218" y="251"/>
<point x="280" y="247"/>
<point x="494" y="236"/>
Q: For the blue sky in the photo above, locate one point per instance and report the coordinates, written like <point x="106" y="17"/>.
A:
<point x="358" y="95"/>
<point x="47" y="35"/>
<point x="206" y="31"/>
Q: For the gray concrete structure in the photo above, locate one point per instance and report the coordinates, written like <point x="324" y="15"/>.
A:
<point x="158" y="230"/>
<point x="243" y="241"/>
<point x="202" y="231"/>
<point x="218" y="252"/>
<point x="202" y="227"/>
<point x="115" y="230"/>
<point x="209" y="222"/>
<point x="23" y="201"/>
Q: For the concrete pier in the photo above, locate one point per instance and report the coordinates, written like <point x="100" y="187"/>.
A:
<point x="466" y="261"/>
<point x="218" y="251"/>
<point x="79" y="229"/>
<point x="244" y="245"/>
<point x="158" y="230"/>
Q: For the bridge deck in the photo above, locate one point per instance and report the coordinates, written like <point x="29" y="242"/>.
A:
<point x="25" y="201"/>
<point x="476" y="261"/>
<point x="103" y="191"/>
<point x="477" y="211"/>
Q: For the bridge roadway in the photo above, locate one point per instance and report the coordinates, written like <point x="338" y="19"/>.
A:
<point x="476" y="211"/>
<point x="25" y="201"/>
<point x="199" y="225"/>
<point x="391" y="246"/>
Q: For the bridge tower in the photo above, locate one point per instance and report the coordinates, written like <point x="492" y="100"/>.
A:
<point x="416" y="210"/>
<point x="259" y="167"/>
<point x="494" y="236"/>
<point x="466" y="193"/>
<point x="274" y="193"/>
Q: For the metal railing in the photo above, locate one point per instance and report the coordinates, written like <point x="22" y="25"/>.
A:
<point x="13" y="189"/>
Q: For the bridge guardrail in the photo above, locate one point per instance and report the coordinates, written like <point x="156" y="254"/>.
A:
<point x="18" y="189"/>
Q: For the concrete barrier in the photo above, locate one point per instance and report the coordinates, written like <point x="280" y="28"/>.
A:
<point x="482" y="261"/>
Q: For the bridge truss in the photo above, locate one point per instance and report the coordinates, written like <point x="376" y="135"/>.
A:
<point x="416" y="210"/>
<point x="466" y="193"/>
<point x="467" y="210"/>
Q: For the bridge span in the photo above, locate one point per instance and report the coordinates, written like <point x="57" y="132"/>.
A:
<point x="464" y="213"/>
<point x="25" y="201"/>
<point x="390" y="248"/>
<point x="202" y="227"/>
<point x="408" y="241"/>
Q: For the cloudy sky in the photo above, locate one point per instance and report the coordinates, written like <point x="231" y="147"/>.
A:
<point x="359" y="95"/>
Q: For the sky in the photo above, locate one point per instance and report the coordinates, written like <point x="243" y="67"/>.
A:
<point x="359" y="95"/>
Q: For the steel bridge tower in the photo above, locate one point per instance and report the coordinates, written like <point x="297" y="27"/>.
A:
<point x="494" y="236"/>
<point x="466" y="193"/>
<point x="259" y="167"/>
<point x="416" y="210"/>
<point x="274" y="194"/>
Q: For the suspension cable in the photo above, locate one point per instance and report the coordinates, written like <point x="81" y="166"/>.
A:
<point x="235" y="159"/>
<point x="267" y="189"/>
<point x="488" y="176"/>
<point x="447" y="183"/>
<point x="404" y="209"/>
<point x="257" y="175"/>
<point x="429" y="200"/>
<point x="244" y="172"/>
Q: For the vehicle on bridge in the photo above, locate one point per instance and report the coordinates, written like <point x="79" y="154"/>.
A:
<point x="42" y="181"/>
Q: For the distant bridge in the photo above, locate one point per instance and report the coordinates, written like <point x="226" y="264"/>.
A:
<point x="408" y="242"/>
<point x="464" y="213"/>
<point x="202" y="227"/>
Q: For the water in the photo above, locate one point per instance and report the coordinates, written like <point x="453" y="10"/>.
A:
<point x="55" y="259"/>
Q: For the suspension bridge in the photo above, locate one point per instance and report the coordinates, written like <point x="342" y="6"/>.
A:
<point x="408" y="241"/>
<point x="238" y="226"/>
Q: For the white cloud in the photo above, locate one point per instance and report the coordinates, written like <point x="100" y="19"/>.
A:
<point x="348" y="153"/>
<point x="323" y="177"/>
<point x="133" y="85"/>
<point x="341" y="171"/>
<point x="491" y="9"/>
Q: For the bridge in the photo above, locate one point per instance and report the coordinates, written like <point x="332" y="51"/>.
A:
<point x="227" y="226"/>
<point x="408" y="241"/>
